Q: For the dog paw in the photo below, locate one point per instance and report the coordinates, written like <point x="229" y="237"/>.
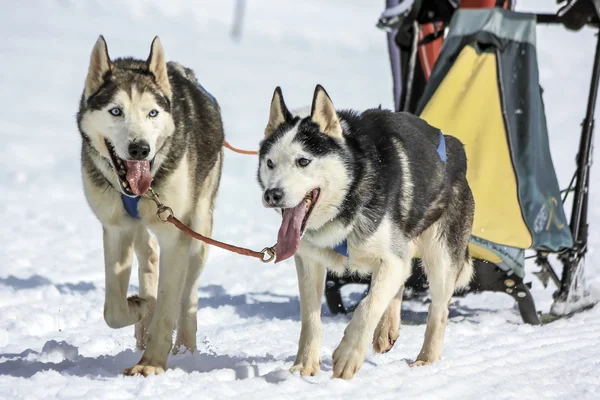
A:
<point x="420" y="363"/>
<point x="386" y="334"/>
<point x="138" y="303"/>
<point x="347" y="359"/>
<point x="138" y="306"/>
<point x="118" y="317"/>
<point x="143" y="370"/>
<point x="307" y="368"/>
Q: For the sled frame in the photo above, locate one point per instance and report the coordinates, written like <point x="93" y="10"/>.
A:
<point x="488" y="276"/>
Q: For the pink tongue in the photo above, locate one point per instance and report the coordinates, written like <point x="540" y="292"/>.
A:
<point x="138" y="176"/>
<point x="288" y="238"/>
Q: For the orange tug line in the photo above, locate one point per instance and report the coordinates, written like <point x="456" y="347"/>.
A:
<point x="240" y="151"/>
<point x="165" y="214"/>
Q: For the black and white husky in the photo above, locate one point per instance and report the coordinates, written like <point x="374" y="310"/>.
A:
<point x="366" y="191"/>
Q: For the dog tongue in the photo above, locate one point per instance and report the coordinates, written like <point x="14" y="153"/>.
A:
<point x="138" y="176"/>
<point x="288" y="238"/>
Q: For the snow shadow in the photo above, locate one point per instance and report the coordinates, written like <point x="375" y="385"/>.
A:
<point x="242" y="368"/>
<point x="250" y="305"/>
<point x="412" y="317"/>
<point x="65" y="359"/>
<point x="36" y="281"/>
<point x="284" y="307"/>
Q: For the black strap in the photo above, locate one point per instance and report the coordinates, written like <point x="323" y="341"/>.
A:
<point x="432" y="37"/>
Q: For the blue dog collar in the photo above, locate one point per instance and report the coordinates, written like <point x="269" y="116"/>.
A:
<point x="131" y="205"/>
<point x="342" y="248"/>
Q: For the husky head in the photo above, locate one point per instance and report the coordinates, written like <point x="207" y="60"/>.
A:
<point x="301" y="168"/>
<point x="125" y="113"/>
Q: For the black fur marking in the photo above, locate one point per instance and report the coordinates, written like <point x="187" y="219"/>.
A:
<point x="267" y="143"/>
<point x="287" y="115"/>
<point x="103" y="96"/>
<point x="313" y="141"/>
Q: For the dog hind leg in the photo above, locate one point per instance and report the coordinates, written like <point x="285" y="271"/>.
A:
<point x="120" y="311"/>
<point x="187" y="324"/>
<point x="146" y="251"/>
<point x="311" y="282"/>
<point x="447" y="266"/>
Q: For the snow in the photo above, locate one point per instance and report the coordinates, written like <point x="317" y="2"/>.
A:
<point x="54" y="342"/>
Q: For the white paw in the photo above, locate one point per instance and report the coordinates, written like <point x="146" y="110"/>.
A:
<point x="138" y="306"/>
<point x="117" y="317"/>
<point x="144" y="370"/>
<point x="387" y="333"/>
<point x="306" y="366"/>
<point x="420" y="363"/>
<point x="348" y="358"/>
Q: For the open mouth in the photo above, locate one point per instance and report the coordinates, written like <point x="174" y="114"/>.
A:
<point x="133" y="175"/>
<point x="293" y="224"/>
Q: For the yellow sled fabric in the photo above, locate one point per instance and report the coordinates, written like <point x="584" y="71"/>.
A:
<point x="484" y="90"/>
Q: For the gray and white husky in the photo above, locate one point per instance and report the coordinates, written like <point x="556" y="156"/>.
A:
<point x="366" y="192"/>
<point x="143" y="123"/>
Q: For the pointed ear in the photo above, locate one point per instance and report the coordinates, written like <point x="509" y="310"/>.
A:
<point x="157" y="64"/>
<point x="278" y="114"/>
<point x="99" y="67"/>
<point x="323" y="114"/>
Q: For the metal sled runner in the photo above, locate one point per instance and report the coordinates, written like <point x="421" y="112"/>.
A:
<point x="486" y="74"/>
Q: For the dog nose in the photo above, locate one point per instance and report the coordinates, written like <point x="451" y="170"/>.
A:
<point x="273" y="196"/>
<point x="139" y="150"/>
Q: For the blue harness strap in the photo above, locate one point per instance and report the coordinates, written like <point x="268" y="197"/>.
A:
<point x="131" y="203"/>
<point x="441" y="149"/>
<point x="210" y="96"/>
<point x="342" y="248"/>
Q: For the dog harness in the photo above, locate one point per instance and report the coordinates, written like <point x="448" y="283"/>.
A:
<point x="342" y="248"/>
<point x="131" y="203"/>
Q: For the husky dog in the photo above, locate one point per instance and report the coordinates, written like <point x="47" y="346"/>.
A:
<point x="150" y="123"/>
<point x="365" y="192"/>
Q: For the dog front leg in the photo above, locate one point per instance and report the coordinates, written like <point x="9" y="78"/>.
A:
<point x="174" y="261"/>
<point x="350" y="354"/>
<point x="188" y="316"/>
<point x="120" y="311"/>
<point x="146" y="251"/>
<point x="311" y="281"/>
<point x="388" y="329"/>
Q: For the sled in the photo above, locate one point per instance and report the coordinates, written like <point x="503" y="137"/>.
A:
<point x="484" y="71"/>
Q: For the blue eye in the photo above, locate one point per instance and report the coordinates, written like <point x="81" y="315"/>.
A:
<point x="303" y="162"/>
<point x="115" y="111"/>
<point x="153" y="113"/>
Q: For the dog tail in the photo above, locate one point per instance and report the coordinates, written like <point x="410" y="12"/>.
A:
<point x="466" y="272"/>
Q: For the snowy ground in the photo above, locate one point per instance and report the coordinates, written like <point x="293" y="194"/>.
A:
<point x="53" y="340"/>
